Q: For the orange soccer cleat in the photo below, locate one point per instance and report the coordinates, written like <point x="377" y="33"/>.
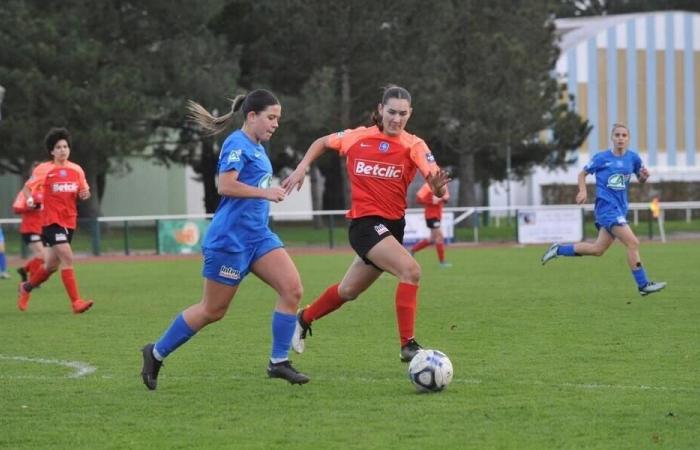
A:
<point x="80" y="306"/>
<point x="23" y="299"/>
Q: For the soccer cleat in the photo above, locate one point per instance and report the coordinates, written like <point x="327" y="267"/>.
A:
<point x="409" y="350"/>
<point x="299" y="335"/>
<point x="80" y="306"/>
<point x="445" y="264"/>
<point x="651" y="287"/>
<point x="285" y="370"/>
<point x="151" y="367"/>
<point x="23" y="274"/>
<point x="551" y="253"/>
<point x="4" y="275"/>
<point x="23" y="298"/>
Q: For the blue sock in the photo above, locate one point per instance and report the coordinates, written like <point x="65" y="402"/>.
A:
<point x="3" y="262"/>
<point x="282" y="332"/>
<point x="640" y="276"/>
<point x="566" y="250"/>
<point x="178" y="333"/>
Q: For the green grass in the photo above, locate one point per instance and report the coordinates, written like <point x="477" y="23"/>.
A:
<point x="562" y="356"/>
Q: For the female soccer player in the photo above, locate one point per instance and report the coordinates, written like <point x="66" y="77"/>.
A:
<point x="381" y="161"/>
<point x="62" y="183"/>
<point x="613" y="170"/>
<point x="3" y="259"/>
<point x="30" y="229"/>
<point x="433" y="217"/>
<point x="239" y="239"/>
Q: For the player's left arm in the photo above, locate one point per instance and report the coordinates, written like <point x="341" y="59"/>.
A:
<point x="83" y="186"/>
<point x="436" y="178"/>
<point x="641" y="171"/>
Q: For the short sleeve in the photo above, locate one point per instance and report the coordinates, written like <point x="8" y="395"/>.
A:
<point x="232" y="157"/>
<point x="343" y="140"/>
<point x="38" y="176"/>
<point x="637" y="164"/>
<point x="595" y="164"/>
<point x="423" y="158"/>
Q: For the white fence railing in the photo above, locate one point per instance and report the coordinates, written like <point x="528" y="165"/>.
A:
<point x="334" y="218"/>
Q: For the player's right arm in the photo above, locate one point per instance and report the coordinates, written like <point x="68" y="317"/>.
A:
<point x="35" y="181"/>
<point x="582" y="194"/>
<point x="316" y="149"/>
<point x="231" y="187"/>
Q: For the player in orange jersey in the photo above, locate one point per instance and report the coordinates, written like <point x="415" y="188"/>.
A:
<point x="62" y="183"/>
<point x="382" y="160"/>
<point x="30" y="229"/>
<point x="433" y="217"/>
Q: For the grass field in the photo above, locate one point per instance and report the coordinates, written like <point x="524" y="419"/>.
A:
<point x="562" y="356"/>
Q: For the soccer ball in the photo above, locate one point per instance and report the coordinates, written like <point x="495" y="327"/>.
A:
<point x="430" y="371"/>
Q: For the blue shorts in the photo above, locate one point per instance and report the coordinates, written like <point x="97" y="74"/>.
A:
<point x="609" y="218"/>
<point x="230" y="268"/>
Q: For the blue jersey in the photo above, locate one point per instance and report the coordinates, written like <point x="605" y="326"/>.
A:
<point x="240" y="222"/>
<point x="612" y="178"/>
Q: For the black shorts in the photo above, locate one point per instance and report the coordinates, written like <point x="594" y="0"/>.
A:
<point x="55" y="234"/>
<point x="366" y="232"/>
<point x="30" y="238"/>
<point x="432" y="223"/>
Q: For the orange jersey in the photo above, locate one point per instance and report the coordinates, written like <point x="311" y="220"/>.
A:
<point x="433" y="205"/>
<point x="60" y="186"/>
<point x="32" y="219"/>
<point x="380" y="168"/>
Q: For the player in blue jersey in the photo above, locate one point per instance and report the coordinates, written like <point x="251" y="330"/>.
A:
<point x="239" y="240"/>
<point x="613" y="171"/>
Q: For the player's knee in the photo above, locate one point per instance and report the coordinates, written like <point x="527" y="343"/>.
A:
<point x="348" y="293"/>
<point x="292" y="294"/>
<point x="633" y="244"/>
<point x="410" y="273"/>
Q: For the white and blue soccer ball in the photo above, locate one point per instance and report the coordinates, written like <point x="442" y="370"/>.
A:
<point x="430" y="371"/>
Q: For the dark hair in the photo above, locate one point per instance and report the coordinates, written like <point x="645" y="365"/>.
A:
<point x="255" y="101"/>
<point x="53" y="136"/>
<point x="389" y="92"/>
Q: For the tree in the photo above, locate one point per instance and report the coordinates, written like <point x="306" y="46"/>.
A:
<point x="489" y="69"/>
<point x="70" y="64"/>
<point x="571" y="8"/>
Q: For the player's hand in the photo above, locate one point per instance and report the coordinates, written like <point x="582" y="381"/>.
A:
<point x="438" y="180"/>
<point x="643" y="174"/>
<point x="84" y="194"/>
<point x="275" y="194"/>
<point x="295" y="179"/>
<point x="581" y="197"/>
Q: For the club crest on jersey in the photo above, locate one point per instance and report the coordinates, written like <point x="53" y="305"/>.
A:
<point x="429" y="156"/>
<point x="265" y="181"/>
<point x="62" y="173"/>
<point x="616" y="182"/>
<point x="380" y="229"/>
<point x="383" y="147"/>
<point x="234" y="156"/>
<point x="229" y="273"/>
<point x="376" y="169"/>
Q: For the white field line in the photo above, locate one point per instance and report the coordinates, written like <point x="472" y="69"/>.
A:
<point x="85" y="369"/>
<point x="81" y="368"/>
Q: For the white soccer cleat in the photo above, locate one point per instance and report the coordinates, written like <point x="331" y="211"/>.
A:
<point x="651" y="287"/>
<point x="551" y="253"/>
<point x="299" y="336"/>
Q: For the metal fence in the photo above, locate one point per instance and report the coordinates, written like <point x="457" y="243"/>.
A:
<point x="328" y="229"/>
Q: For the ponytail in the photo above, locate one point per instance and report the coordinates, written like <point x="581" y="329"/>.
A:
<point x="210" y="123"/>
<point x="255" y="101"/>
